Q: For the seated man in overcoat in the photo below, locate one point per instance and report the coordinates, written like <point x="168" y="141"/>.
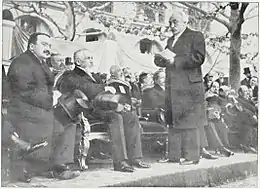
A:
<point x="124" y="126"/>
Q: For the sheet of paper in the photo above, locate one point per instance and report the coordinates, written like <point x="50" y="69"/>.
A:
<point x="167" y="54"/>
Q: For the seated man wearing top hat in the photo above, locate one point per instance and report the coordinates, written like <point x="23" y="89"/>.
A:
<point x="246" y="81"/>
<point x="124" y="126"/>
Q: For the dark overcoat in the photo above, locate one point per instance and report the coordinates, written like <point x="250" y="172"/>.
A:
<point x="31" y="99"/>
<point x="153" y="98"/>
<point x="79" y="79"/>
<point x="185" y="104"/>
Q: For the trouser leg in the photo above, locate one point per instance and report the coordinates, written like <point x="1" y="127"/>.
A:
<point x="246" y="136"/>
<point x="203" y="137"/>
<point x="213" y="138"/>
<point x="191" y="144"/>
<point x="222" y="131"/>
<point x="132" y="130"/>
<point x="116" y="130"/>
<point x="63" y="147"/>
<point x="174" y="144"/>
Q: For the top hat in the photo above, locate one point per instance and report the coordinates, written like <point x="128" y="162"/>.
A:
<point x="108" y="101"/>
<point x="68" y="61"/>
<point x="247" y="70"/>
<point x="70" y="106"/>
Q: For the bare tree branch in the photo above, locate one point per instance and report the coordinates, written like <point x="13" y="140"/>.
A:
<point x="250" y="17"/>
<point x="100" y="7"/>
<point x="224" y="22"/>
<point x="44" y="15"/>
<point x="40" y="13"/>
<point x="241" y="13"/>
<point x="16" y="6"/>
<point x="251" y="9"/>
<point x="220" y="12"/>
<point x="90" y="11"/>
<point x="70" y="26"/>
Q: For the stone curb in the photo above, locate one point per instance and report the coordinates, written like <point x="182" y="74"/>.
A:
<point x="212" y="176"/>
<point x="206" y="173"/>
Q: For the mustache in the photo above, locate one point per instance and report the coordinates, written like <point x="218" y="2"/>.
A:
<point x="47" y="52"/>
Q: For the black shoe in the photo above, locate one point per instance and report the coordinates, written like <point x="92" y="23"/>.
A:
<point x="253" y="150"/>
<point x="123" y="167"/>
<point x="189" y="162"/>
<point x="226" y="152"/>
<point x="140" y="164"/>
<point x="81" y="163"/>
<point x="167" y="160"/>
<point x="66" y="175"/>
<point x="47" y="174"/>
<point x="25" y="147"/>
<point x="205" y="154"/>
<point x="26" y="178"/>
<point x="248" y="149"/>
<point x="60" y="168"/>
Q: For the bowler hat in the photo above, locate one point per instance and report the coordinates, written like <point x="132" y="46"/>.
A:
<point x="70" y="106"/>
<point x="247" y="70"/>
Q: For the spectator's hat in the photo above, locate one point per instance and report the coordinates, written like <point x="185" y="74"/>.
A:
<point x="68" y="61"/>
<point x="247" y="70"/>
<point x="108" y="101"/>
<point x="70" y="106"/>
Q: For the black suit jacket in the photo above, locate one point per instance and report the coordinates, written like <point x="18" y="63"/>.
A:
<point x="30" y="81"/>
<point x="153" y="98"/>
<point x="78" y="79"/>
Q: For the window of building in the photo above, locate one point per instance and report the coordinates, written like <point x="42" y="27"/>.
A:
<point x="93" y="34"/>
<point x="28" y="26"/>
<point x="90" y="38"/>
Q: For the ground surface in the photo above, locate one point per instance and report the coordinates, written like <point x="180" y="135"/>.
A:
<point x="250" y="182"/>
<point x="206" y="173"/>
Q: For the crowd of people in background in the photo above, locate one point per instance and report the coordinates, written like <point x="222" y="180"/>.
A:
<point x="52" y="100"/>
<point x="237" y="110"/>
<point x="226" y="108"/>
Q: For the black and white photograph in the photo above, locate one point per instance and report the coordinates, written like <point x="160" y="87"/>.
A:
<point x="129" y="94"/>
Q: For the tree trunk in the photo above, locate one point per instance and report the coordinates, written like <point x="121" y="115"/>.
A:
<point x="235" y="47"/>
<point x="234" y="62"/>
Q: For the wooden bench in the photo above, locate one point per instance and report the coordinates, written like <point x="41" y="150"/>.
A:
<point x="149" y="130"/>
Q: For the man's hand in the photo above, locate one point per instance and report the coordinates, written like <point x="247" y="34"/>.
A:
<point x="110" y="89"/>
<point x="171" y="61"/>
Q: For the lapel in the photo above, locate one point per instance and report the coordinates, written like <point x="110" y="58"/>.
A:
<point x="179" y="40"/>
<point x="81" y="73"/>
<point x="159" y="90"/>
<point x="47" y="72"/>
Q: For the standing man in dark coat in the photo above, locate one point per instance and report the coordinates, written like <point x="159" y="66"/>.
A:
<point x="124" y="126"/>
<point x="30" y="109"/>
<point x="246" y="81"/>
<point x="185" y="105"/>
